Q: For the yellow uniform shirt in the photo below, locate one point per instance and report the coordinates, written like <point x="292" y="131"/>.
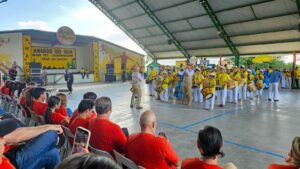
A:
<point x="165" y="82"/>
<point x="288" y="74"/>
<point x="197" y="79"/>
<point x="152" y="74"/>
<point x="212" y="85"/>
<point x="244" y="76"/>
<point x="298" y="74"/>
<point x="223" y="77"/>
<point x="250" y="78"/>
<point x="235" y="77"/>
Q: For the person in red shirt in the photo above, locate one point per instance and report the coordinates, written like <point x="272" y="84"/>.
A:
<point x="148" y="150"/>
<point x="85" y="110"/>
<point x="209" y="144"/>
<point x="63" y="105"/>
<point x="106" y="135"/>
<point x="89" y="95"/>
<point x="38" y="105"/>
<point x="292" y="159"/>
<point x="53" y="117"/>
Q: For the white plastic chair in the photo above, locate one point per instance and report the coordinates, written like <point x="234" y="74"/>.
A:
<point x="121" y="160"/>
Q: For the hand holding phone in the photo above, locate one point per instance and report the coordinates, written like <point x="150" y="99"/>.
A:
<point x="81" y="140"/>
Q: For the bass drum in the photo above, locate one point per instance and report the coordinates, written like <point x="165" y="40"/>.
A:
<point x="207" y="93"/>
<point x="230" y="84"/>
<point x="260" y="85"/>
<point x="251" y="87"/>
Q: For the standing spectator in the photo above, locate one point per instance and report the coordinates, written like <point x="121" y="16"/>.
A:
<point x="275" y="78"/>
<point x="70" y="79"/>
<point x="123" y="76"/>
<point x="86" y="72"/>
<point x="106" y="135"/>
<point x="82" y="72"/>
<point x="44" y="76"/>
<point x="12" y="72"/>
<point x="148" y="150"/>
<point x="209" y="145"/>
<point x="136" y="88"/>
<point x="292" y="159"/>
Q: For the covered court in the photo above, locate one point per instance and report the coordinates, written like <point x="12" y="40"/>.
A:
<point x="256" y="133"/>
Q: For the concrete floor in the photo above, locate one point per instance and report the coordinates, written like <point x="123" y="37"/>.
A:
<point x="256" y="133"/>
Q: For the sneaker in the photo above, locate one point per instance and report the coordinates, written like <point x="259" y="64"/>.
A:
<point x="139" y="107"/>
<point x="269" y="100"/>
<point x="131" y="106"/>
<point x="276" y="100"/>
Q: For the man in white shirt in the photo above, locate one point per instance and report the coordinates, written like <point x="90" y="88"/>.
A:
<point x="137" y="78"/>
<point x="187" y="85"/>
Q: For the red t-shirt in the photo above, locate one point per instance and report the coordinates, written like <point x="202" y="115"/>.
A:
<point x="5" y="162"/>
<point x="5" y="90"/>
<point x="62" y="110"/>
<point x="79" y="122"/>
<point x="56" y="118"/>
<point x="192" y="163"/>
<point x="107" y="136"/>
<point x="75" y="114"/>
<point x="278" y="166"/>
<point x="39" y="108"/>
<point x="150" y="151"/>
<point x="22" y="101"/>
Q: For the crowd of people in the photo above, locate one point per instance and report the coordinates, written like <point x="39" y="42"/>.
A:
<point x="37" y="147"/>
<point x="225" y="85"/>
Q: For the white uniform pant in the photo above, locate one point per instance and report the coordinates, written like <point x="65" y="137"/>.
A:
<point x="198" y="97"/>
<point x="233" y="94"/>
<point x="243" y="92"/>
<point x="210" y="103"/>
<point x="152" y="88"/>
<point x="170" y="91"/>
<point x="259" y="92"/>
<point x="273" y="91"/>
<point x="165" y="96"/>
<point x="289" y="82"/>
<point x="221" y="96"/>
<point x="250" y="95"/>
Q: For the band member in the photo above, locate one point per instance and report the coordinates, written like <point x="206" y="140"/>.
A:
<point x="152" y="76"/>
<point x="297" y="77"/>
<point x="137" y="78"/>
<point x="172" y="83"/>
<point x="260" y="84"/>
<point x="178" y="88"/>
<point x="250" y="81"/>
<point x="197" y="85"/>
<point x="223" y="77"/>
<point x="235" y="76"/>
<point x="288" y="80"/>
<point x="275" y="78"/>
<point x="243" y="87"/>
<point x="164" y="96"/>
<point x="209" y="103"/>
<point x="187" y="85"/>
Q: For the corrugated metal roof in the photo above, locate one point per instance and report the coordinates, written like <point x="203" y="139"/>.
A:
<point x="254" y="26"/>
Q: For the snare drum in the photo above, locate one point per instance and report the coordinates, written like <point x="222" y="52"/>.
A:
<point x="207" y="93"/>
<point x="251" y="87"/>
<point x="230" y="84"/>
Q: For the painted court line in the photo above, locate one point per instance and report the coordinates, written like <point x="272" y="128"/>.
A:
<point x="242" y="146"/>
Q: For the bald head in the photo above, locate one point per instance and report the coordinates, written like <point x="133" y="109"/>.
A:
<point x="148" y="119"/>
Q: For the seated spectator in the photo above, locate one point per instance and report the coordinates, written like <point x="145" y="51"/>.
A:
<point x="5" y="88"/>
<point x="85" y="110"/>
<point x="21" y="87"/>
<point x="106" y="135"/>
<point x="63" y="104"/>
<point x="89" y="95"/>
<point x="293" y="157"/>
<point x="39" y="151"/>
<point x="53" y="117"/>
<point x="11" y="89"/>
<point x="38" y="105"/>
<point x="148" y="150"/>
<point x="87" y="161"/>
<point x="22" y="98"/>
<point x="209" y="144"/>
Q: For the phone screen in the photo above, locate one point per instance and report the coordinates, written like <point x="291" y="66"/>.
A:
<point x="81" y="140"/>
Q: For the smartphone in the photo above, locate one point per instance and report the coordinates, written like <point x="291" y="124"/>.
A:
<point x="81" y="140"/>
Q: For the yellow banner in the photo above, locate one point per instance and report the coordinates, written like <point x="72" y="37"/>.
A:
<point x="54" y="58"/>
<point x="96" y="60"/>
<point x="26" y="54"/>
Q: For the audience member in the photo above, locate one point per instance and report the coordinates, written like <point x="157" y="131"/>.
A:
<point x="148" y="150"/>
<point x="38" y="105"/>
<point x="53" y="117"/>
<point x="39" y="151"/>
<point x="292" y="159"/>
<point x="63" y="104"/>
<point x="85" y="110"/>
<point x="89" y="95"/>
<point x="106" y="135"/>
<point x="209" y="144"/>
<point x="87" y="161"/>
